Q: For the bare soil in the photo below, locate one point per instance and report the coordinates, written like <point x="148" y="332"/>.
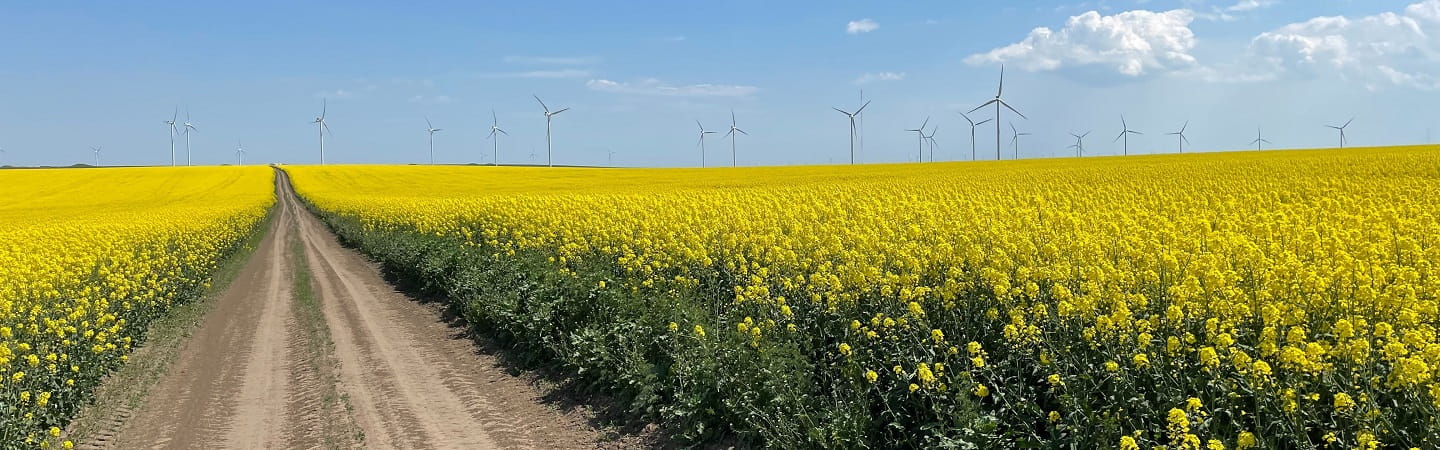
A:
<point x="383" y="370"/>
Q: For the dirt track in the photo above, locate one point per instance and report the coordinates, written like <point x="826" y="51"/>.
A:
<point x="396" y="376"/>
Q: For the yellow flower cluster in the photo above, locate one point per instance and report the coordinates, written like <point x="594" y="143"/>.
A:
<point x="1266" y="271"/>
<point x="89" y="257"/>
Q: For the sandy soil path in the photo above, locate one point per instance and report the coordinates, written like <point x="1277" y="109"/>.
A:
<point x="405" y="377"/>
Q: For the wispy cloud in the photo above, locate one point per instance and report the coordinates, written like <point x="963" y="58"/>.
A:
<point x="861" y="26"/>
<point x="432" y="99"/>
<point x="560" y="73"/>
<point x="880" y="76"/>
<point x="337" y="93"/>
<point x="1249" y="5"/>
<point x="553" y="60"/>
<point x="656" y="87"/>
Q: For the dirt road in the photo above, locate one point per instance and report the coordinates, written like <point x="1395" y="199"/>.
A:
<point x="369" y="368"/>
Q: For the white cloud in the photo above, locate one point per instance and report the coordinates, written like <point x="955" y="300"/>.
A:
<point x="861" y="26"/>
<point x="432" y="99"/>
<point x="1132" y="43"/>
<point x="880" y="76"/>
<point x="561" y="73"/>
<point x="1389" y="48"/>
<point x="655" y="87"/>
<point x="1250" y="5"/>
<point x="553" y="60"/>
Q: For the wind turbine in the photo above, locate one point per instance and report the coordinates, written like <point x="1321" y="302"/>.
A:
<point x="1183" y="140"/>
<point x="239" y="153"/>
<point x="495" y="139"/>
<point x="173" y="118"/>
<point x="1015" y="139"/>
<point x="431" y="130"/>
<point x="1079" y="144"/>
<point x="931" y="138"/>
<point x="702" y="141"/>
<point x="549" y="156"/>
<point x="97" y="155"/>
<point x="323" y="127"/>
<point x="1258" y="139"/>
<point x="998" y="103"/>
<point x="973" y="124"/>
<point x="920" y="137"/>
<point x="2" y="156"/>
<point x="1342" y="130"/>
<point x="852" y="127"/>
<point x="733" y="129"/>
<point x="188" y="128"/>
<point x="1125" y="132"/>
<point x="610" y="158"/>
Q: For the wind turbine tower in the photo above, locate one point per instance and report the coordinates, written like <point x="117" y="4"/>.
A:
<point x="323" y="127"/>
<point x="1258" y="139"/>
<point x="920" y="138"/>
<point x="431" y="130"/>
<point x="852" y="127"/>
<point x="998" y="102"/>
<point x="495" y="138"/>
<point x="1183" y="140"/>
<point x="1342" y="130"/>
<point x="703" y="132"/>
<point x="973" y="124"/>
<point x="1125" y="133"/>
<point x="173" y="118"/>
<point x="1079" y="144"/>
<point x="549" y="153"/>
<point x="189" y="127"/>
<point x="732" y="134"/>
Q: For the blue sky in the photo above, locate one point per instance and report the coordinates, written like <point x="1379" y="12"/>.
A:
<point x="637" y="76"/>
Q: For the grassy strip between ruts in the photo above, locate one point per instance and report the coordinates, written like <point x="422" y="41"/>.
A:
<point x="124" y="391"/>
<point x="337" y="429"/>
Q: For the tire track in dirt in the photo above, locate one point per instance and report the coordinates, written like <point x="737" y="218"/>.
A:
<point x="363" y="366"/>
<point x="415" y="380"/>
<point x="231" y="383"/>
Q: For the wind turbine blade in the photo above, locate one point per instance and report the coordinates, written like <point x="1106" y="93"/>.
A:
<point x="732" y="118"/>
<point x="428" y="124"/>
<point x="1134" y="132"/>
<point x="1186" y="125"/>
<point x="1332" y="126"/>
<point x="1186" y="139"/>
<point x="1002" y="82"/>
<point x="1087" y="133"/>
<point x="560" y="111"/>
<point x="1012" y="127"/>
<point x="176" y="116"/>
<point x="1007" y="106"/>
<point x="967" y="119"/>
<point x="926" y="122"/>
<point x="727" y="134"/>
<point x="494" y="120"/>
<point x="862" y="108"/>
<point x="1123" y="125"/>
<point x="702" y="127"/>
<point x="742" y="131"/>
<point x="982" y="122"/>
<point x="1347" y="123"/>
<point x="1117" y="138"/>
<point x="841" y="110"/>
<point x="977" y="108"/>
<point x="502" y="131"/>
<point x="324" y="107"/>
<point x="542" y="103"/>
